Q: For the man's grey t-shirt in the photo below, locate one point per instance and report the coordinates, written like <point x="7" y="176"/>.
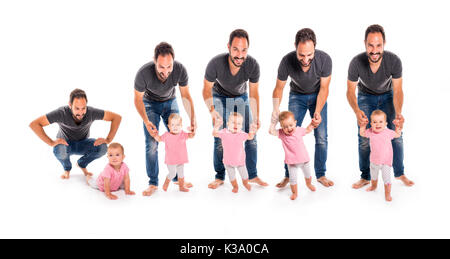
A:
<point x="380" y="82"/>
<point x="155" y="90"/>
<point x="218" y="71"/>
<point x="305" y="82"/>
<point x="68" y="128"/>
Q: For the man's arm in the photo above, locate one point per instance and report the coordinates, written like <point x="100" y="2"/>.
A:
<point x="208" y="98"/>
<point x="254" y="103"/>
<point x="189" y="108"/>
<point x="351" y="97"/>
<point x="277" y="95"/>
<point x="140" y="107"/>
<point x="115" y="120"/>
<point x="397" y="85"/>
<point x="38" y="127"/>
<point x="322" y="97"/>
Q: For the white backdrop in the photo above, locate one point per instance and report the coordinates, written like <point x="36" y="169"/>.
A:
<point x="48" y="48"/>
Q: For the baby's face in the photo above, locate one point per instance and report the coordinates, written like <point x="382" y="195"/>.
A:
<point x="288" y="125"/>
<point x="378" y="123"/>
<point x="235" y="123"/>
<point x="115" y="156"/>
<point x="175" y="126"/>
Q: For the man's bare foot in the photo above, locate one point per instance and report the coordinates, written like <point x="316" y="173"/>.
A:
<point x="325" y="182"/>
<point x="360" y="183"/>
<point x="283" y="183"/>
<point x="309" y="184"/>
<point x="66" y="175"/>
<point x="215" y="184"/>
<point x="150" y="190"/>
<point x="258" y="181"/>
<point x="405" y="180"/>
<point x="85" y="171"/>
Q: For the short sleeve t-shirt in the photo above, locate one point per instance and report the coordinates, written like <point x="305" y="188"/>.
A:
<point x="294" y="147"/>
<point x="176" y="150"/>
<point x="381" y="152"/>
<point x="218" y="71"/>
<point x="115" y="177"/>
<point x="380" y="82"/>
<point x="68" y="128"/>
<point x="155" y="90"/>
<point x="233" y="147"/>
<point x="305" y="82"/>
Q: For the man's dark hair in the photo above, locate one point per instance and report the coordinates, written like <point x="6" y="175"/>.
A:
<point x="239" y="33"/>
<point x="163" y="49"/>
<point x="305" y="35"/>
<point x="76" y="94"/>
<point x="373" y="29"/>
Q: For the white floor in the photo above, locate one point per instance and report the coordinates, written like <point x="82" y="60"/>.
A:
<point x="50" y="50"/>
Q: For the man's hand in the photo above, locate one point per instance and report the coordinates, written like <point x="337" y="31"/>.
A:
<point x="398" y="121"/>
<point x="100" y="141"/>
<point x="274" y="118"/>
<point x="59" y="141"/>
<point x="257" y="124"/>
<point x="215" y="116"/>
<point x="316" y="120"/>
<point x="362" y="118"/>
<point x="193" y="128"/>
<point x="151" y="128"/>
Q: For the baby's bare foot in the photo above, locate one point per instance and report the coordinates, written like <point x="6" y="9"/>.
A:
<point x="293" y="196"/>
<point x="258" y="181"/>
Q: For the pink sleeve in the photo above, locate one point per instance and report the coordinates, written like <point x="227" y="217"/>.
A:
<point x="392" y="134"/>
<point x="280" y="134"/>
<point x="369" y="133"/>
<point x="164" y="136"/>
<point x="302" y="131"/>
<point x="244" y="136"/>
<point x="221" y="133"/>
<point x="125" y="167"/>
<point x="106" y="172"/>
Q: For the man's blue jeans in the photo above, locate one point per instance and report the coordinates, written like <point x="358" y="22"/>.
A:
<point x="368" y="103"/>
<point x="224" y="106"/>
<point x="83" y="147"/>
<point x="299" y="104"/>
<point x="155" y="111"/>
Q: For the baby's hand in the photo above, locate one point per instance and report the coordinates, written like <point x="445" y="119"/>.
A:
<point x="129" y="193"/>
<point x="111" y="196"/>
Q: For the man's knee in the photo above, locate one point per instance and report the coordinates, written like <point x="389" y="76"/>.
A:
<point x="101" y="149"/>
<point x="61" y="151"/>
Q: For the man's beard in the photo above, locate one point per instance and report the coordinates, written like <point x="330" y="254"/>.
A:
<point x="380" y="55"/>
<point x="236" y="58"/>
<point x="307" y="65"/>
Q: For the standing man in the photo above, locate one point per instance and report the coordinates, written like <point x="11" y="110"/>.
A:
<point x="154" y="98"/>
<point x="378" y="75"/>
<point x="74" y="123"/>
<point x="310" y="73"/>
<point x="225" y="91"/>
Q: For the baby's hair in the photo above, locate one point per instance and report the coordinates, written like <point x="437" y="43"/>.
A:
<point x="378" y="112"/>
<point x="284" y="115"/>
<point x="116" y="145"/>
<point x="175" y="116"/>
<point x="235" y="114"/>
